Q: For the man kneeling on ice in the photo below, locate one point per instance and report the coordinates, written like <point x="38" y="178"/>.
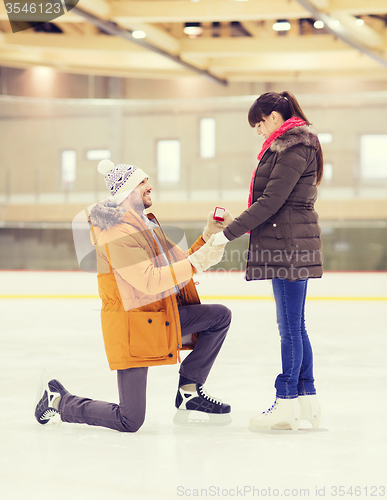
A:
<point x="150" y="311"/>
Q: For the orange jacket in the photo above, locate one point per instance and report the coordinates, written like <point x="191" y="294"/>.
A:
<point x="140" y="317"/>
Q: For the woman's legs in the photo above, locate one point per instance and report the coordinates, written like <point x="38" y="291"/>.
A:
<point x="128" y="416"/>
<point x="305" y="380"/>
<point x="296" y="352"/>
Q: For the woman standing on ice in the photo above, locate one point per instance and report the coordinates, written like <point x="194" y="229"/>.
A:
<point x="285" y="245"/>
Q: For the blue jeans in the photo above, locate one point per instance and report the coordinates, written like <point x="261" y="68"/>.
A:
<point x="296" y="378"/>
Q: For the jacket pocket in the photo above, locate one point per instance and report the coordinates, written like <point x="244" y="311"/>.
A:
<point x="148" y="336"/>
<point x="278" y="231"/>
<point x="281" y="236"/>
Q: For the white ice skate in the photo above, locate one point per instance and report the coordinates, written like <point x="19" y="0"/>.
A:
<point x="283" y="412"/>
<point x="310" y="411"/>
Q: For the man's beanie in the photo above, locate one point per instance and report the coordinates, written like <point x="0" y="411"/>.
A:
<point x="121" y="179"/>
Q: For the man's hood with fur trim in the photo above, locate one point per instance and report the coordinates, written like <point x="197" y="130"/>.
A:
<point x="106" y="214"/>
<point x="306" y="135"/>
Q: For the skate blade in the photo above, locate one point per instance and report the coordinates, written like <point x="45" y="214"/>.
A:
<point x="192" y="417"/>
<point x="285" y="426"/>
<point x="44" y="379"/>
<point x="280" y="426"/>
<point x="277" y="427"/>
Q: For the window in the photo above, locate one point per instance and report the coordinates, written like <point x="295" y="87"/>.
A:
<point x="325" y="138"/>
<point x="207" y="138"/>
<point x="328" y="172"/>
<point x="168" y="161"/>
<point x="69" y="167"/>
<point x="98" y="154"/>
<point x="373" y="156"/>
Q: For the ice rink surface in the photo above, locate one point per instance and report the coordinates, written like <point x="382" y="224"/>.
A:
<point x="346" y="320"/>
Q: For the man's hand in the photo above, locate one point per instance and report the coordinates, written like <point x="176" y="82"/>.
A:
<point x="214" y="226"/>
<point x="220" y="239"/>
<point x="207" y="256"/>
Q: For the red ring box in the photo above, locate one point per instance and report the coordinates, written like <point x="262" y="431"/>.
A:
<point x="218" y="214"/>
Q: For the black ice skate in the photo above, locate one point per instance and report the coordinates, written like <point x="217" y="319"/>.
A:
<point x="200" y="407"/>
<point x="49" y="391"/>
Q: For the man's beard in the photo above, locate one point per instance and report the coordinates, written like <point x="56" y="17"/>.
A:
<point x="147" y="204"/>
<point x="139" y="203"/>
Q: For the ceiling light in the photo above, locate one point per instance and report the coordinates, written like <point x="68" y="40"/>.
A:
<point x="138" y="34"/>
<point x="359" y="22"/>
<point x="281" y="26"/>
<point x="193" y="29"/>
<point x="318" y="25"/>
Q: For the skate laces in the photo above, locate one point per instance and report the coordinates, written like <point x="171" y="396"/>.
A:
<point x="272" y="407"/>
<point x="205" y="395"/>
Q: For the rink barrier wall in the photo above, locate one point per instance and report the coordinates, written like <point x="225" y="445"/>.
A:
<point x="347" y="246"/>
<point x="234" y="271"/>
<point x="203" y="297"/>
<point x="328" y="209"/>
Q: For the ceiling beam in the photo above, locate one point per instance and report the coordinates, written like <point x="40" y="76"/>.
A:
<point x="305" y="76"/>
<point x="115" y="71"/>
<point x="357" y="7"/>
<point x="297" y="62"/>
<point x="83" y="49"/>
<point x="238" y="75"/>
<point x="70" y="28"/>
<point x="365" y="34"/>
<point x="173" y="11"/>
<point x="155" y="35"/>
<point x="100" y="8"/>
<point x="343" y="33"/>
<point x="257" y="30"/>
<point x="112" y="29"/>
<point x="200" y="47"/>
<point x="106" y="54"/>
<point x="164" y="11"/>
<point x="58" y="59"/>
<point x="93" y="43"/>
<point x="223" y="47"/>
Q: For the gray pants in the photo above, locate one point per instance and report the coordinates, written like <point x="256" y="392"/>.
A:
<point x="212" y="321"/>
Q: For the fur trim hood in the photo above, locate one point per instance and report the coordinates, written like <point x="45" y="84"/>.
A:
<point x="106" y="214"/>
<point x="306" y="135"/>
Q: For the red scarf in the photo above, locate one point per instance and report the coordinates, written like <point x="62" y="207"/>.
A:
<point x="291" y="123"/>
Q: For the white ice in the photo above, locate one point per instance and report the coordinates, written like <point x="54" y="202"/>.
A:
<point x="163" y="461"/>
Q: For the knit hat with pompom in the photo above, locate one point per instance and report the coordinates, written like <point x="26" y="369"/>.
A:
<point x="121" y="179"/>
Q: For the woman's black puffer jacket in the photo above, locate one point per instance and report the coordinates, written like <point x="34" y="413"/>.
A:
<point x="285" y="237"/>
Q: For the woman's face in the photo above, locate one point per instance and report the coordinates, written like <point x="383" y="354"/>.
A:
<point x="269" y="124"/>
